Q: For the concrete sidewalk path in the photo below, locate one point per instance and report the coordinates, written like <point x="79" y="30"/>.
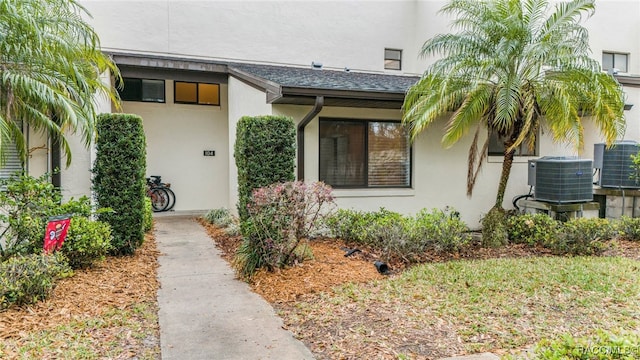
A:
<point x="205" y="313"/>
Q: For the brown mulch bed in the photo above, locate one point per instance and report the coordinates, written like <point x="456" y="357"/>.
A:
<point x="116" y="282"/>
<point x="328" y="268"/>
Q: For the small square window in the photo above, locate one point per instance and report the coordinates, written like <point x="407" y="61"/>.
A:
<point x="392" y="59"/>
<point x="197" y="93"/>
<point x="146" y="90"/>
<point x="612" y="60"/>
<point x="153" y="90"/>
<point x="186" y="92"/>
<point x="208" y="94"/>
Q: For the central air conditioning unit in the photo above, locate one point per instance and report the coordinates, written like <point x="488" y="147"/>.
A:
<point x="561" y="180"/>
<point x="615" y="164"/>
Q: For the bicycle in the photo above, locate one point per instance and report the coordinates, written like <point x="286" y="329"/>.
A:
<point x="162" y="197"/>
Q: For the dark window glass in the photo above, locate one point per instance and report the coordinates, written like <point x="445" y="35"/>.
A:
<point x="132" y="90"/>
<point x="496" y="147"/>
<point x="392" y="59"/>
<point x="153" y="90"/>
<point x="142" y="90"/>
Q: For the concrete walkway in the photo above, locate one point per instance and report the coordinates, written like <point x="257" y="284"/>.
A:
<point x="205" y="313"/>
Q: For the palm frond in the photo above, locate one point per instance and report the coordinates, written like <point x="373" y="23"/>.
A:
<point x="51" y="65"/>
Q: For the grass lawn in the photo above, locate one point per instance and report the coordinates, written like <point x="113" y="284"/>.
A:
<point x="442" y="309"/>
<point x="116" y="334"/>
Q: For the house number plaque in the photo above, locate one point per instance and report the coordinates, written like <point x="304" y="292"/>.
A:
<point x="209" y="153"/>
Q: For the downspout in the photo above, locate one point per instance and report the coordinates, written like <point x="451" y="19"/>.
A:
<point x="317" y="107"/>
<point x="56" y="160"/>
<point x="56" y="164"/>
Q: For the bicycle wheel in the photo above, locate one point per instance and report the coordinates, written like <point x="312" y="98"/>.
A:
<point x="159" y="199"/>
<point x="172" y="198"/>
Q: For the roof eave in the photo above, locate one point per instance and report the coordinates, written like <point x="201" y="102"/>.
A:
<point x="149" y="61"/>
<point x="628" y="80"/>
<point x="343" y="94"/>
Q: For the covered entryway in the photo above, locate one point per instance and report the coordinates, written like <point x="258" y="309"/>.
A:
<point x="184" y="110"/>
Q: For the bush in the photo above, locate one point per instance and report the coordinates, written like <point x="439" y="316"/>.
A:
<point x="27" y="203"/>
<point x="280" y="216"/>
<point x="77" y="207"/>
<point x="401" y="236"/>
<point x="629" y="228"/>
<point x="582" y="236"/>
<point x="28" y="279"/>
<point x="604" y="346"/>
<point x="119" y="178"/>
<point x="147" y="221"/>
<point x="361" y="227"/>
<point x="442" y="229"/>
<point x="219" y="217"/>
<point x="532" y="229"/>
<point x="264" y="152"/>
<point x="87" y="242"/>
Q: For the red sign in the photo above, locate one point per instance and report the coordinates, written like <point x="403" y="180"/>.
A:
<point x="55" y="234"/>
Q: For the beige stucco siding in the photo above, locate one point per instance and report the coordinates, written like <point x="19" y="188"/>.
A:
<point x="177" y="135"/>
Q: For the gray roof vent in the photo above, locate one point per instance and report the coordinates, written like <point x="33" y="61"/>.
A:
<point x="316" y="65"/>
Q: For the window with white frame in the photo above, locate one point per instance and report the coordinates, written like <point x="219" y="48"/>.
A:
<point x="614" y="60"/>
<point x="392" y="59"/>
<point x="364" y="153"/>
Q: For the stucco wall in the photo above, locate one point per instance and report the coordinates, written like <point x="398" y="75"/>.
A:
<point x="177" y="135"/>
<point x="338" y="34"/>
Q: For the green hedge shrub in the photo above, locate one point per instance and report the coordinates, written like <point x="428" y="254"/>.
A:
<point x="264" y="152"/>
<point x="119" y="178"/>
<point x="582" y="236"/>
<point x="533" y="229"/>
<point x="629" y="228"/>
<point x="401" y="236"/>
<point x="361" y="227"/>
<point x="147" y="222"/>
<point x="30" y="278"/>
<point x="442" y="230"/>
<point x="87" y="242"/>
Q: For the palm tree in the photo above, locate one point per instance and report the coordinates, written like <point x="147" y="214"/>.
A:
<point x="50" y="68"/>
<point x="511" y="69"/>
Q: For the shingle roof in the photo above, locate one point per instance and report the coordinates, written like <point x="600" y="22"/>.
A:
<point x="319" y="79"/>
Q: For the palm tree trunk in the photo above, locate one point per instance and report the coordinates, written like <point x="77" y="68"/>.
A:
<point x="506" y="171"/>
